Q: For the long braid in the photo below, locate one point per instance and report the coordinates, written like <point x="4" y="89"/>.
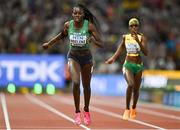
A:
<point x="90" y="17"/>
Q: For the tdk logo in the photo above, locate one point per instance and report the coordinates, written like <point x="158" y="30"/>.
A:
<point x="26" y="70"/>
<point x="31" y="71"/>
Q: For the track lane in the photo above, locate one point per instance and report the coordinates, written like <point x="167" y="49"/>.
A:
<point x="99" y="121"/>
<point x="118" y="124"/>
<point x="23" y="114"/>
<point x="2" y="118"/>
<point x="48" y="107"/>
<point x="156" y="108"/>
<point x="163" y="119"/>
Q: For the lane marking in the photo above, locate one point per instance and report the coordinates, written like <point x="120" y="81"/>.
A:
<point x="141" y="110"/>
<point x="159" y="106"/>
<point x="102" y="111"/>
<point x="51" y="109"/>
<point x="147" y="104"/>
<point x="112" y="114"/>
<point x="5" y="111"/>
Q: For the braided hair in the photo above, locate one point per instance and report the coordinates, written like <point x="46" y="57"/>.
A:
<point x="90" y="17"/>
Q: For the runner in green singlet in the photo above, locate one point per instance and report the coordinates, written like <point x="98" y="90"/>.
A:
<point x="81" y="31"/>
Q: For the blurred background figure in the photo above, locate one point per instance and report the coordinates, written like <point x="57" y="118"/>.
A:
<point x="24" y="25"/>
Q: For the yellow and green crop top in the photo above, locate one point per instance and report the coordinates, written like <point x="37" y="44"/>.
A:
<point x="132" y="47"/>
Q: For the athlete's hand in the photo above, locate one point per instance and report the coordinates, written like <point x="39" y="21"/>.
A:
<point x="135" y="36"/>
<point x="110" y="60"/>
<point x="45" y="45"/>
<point x="90" y="39"/>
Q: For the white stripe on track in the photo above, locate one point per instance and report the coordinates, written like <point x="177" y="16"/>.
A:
<point x="51" y="109"/>
<point x="146" y="104"/>
<point x="112" y="114"/>
<point x="159" y="106"/>
<point x="102" y="111"/>
<point x="141" y="110"/>
<point x="5" y="111"/>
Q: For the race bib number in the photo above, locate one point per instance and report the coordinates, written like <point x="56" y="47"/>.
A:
<point x="76" y="39"/>
<point x="132" y="47"/>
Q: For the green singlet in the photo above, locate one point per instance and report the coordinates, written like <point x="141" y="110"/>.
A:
<point x="78" y="37"/>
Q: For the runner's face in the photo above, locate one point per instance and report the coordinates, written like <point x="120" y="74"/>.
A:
<point x="77" y="14"/>
<point x="133" y="28"/>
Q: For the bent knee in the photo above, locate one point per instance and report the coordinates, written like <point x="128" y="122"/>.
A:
<point x="131" y="84"/>
<point x="76" y="84"/>
<point x="136" y="90"/>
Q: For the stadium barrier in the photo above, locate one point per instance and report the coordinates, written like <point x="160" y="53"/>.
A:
<point x="40" y="73"/>
<point x="161" y="86"/>
<point x="27" y="70"/>
<point x="46" y="73"/>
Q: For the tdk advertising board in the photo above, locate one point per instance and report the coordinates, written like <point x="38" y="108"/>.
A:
<point x="26" y="70"/>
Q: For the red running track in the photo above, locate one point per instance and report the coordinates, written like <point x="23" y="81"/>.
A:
<point x="39" y="112"/>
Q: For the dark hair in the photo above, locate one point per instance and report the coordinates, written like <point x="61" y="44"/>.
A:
<point x="89" y="16"/>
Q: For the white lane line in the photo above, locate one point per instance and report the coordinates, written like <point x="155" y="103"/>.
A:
<point x="112" y="114"/>
<point x="143" y="104"/>
<point x="53" y="110"/>
<point x="159" y="106"/>
<point x="4" y="107"/>
<point x="102" y="111"/>
<point x="141" y="110"/>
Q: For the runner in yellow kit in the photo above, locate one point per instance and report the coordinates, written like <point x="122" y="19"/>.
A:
<point x="135" y="45"/>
